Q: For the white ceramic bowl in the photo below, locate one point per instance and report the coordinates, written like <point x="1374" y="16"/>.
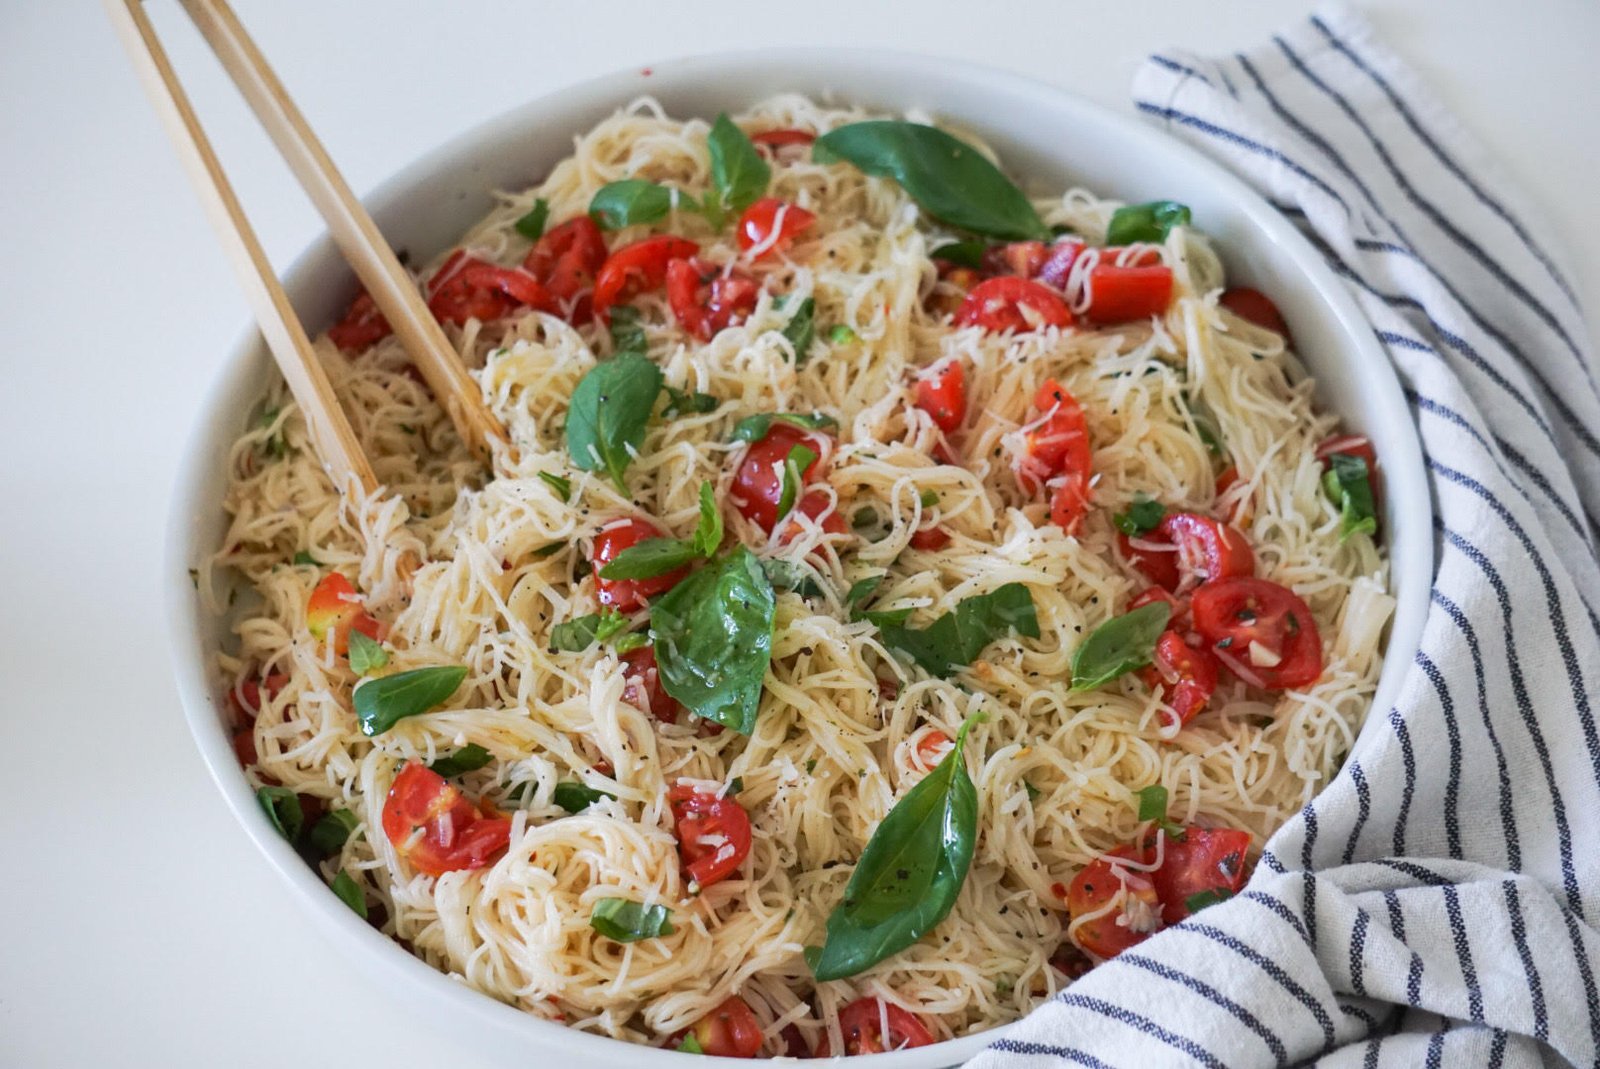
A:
<point x="1048" y="137"/>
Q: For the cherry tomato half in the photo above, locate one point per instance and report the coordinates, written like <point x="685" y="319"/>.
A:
<point x="435" y="828"/>
<point x="706" y="300"/>
<point x="1239" y="511"/>
<point x="758" y="482"/>
<point x="776" y="139"/>
<point x="644" y="690"/>
<point x="1057" y="266"/>
<point x="1360" y="447"/>
<point x="1058" y="455"/>
<point x="942" y="394"/>
<point x="872" y="1026"/>
<point x="335" y="609"/>
<point x="713" y="835"/>
<point x="1118" y="294"/>
<point x="468" y="288"/>
<point x="629" y="595"/>
<point x="1262" y="631"/>
<point x="1093" y="888"/>
<point x="1015" y="304"/>
<point x="1255" y="307"/>
<point x="1202" y="549"/>
<point x="361" y="326"/>
<point x="1021" y="258"/>
<point x="818" y="506"/>
<point x="1205" y="859"/>
<point x="769" y="225"/>
<point x="637" y="268"/>
<point x="931" y="748"/>
<point x="729" y="1031"/>
<point x="565" y="261"/>
<point x="930" y="538"/>
<point x="244" y="701"/>
<point x="1187" y="676"/>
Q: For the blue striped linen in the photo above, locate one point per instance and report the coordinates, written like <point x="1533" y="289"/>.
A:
<point x="1437" y="903"/>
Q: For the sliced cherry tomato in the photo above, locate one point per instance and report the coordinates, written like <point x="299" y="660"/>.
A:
<point x="565" y="261"/>
<point x="361" y="326"/>
<point x="1094" y="887"/>
<point x="863" y="1023"/>
<point x="468" y="288"/>
<point x="793" y="1041"/>
<point x="1069" y="961"/>
<point x="334" y="609"/>
<point x="769" y="225"/>
<point x="775" y="139"/>
<point x="1205" y="859"/>
<point x="705" y="300"/>
<point x="637" y="268"/>
<point x="713" y="835"/>
<point x="244" y="746"/>
<point x="244" y="701"/>
<point x="930" y="538"/>
<point x="758" y="482"/>
<point x="817" y="506"/>
<point x="434" y="827"/>
<point x="1255" y="307"/>
<point x="1011" y="303"/>
<point x="1158" y="593"/>
<point x="1360" y="447"/>
<point x="644" y="690"/>
<point x="1262" y="631"/>
<point x="1057" y="266"/>
<point x="1187" y="676"/>
<point x="729" y="1031"/>
<point x="629" y="595"/>
<point x="1118" y="294"/>
<point x="1021" y="258"/>
<point x="1202" y="550"/>
<point x="942" y="394"/>
<point x="1058" y="455"/>
<point x="932" y="747"/>
<point x="1240" y="510"/>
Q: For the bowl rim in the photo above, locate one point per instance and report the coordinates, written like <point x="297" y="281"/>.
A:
<point x="186" y="618"/>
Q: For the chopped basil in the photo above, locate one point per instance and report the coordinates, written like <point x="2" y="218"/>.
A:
<point x="303" y="557"/>
<point x="329" y="834"/>
<point x="548" y="551"/>
<point x="560" y="484"/>
<point x="629" y="202"/>
<point x="282" y="807"/>
<point x="531" y="226"/>
<point x="754" y="428"/>
<point x="708" y="533"/>
<point x="928" y="498"/>
<point x="1142" y="517"/>
<point x="1347" y="484"/>
<point x="1153" y="806"/>
<point x="910" y="873"/>
<point x="1151" y="221"/>
<point x="575" y="797"/>
<point x="469" y="758"/>
<point x="950" y="179"/>
<point x="366" y="654"/>
<point x="630" y="641"/>
<point x="713" y="639"/>
<point x="627" y="335"/>
<point x="1119" y="645"/>
<point x="861" y="590"/>
<point x="839" y="334"/>
<point x="736" y="785"/>
<point x="610" y="407"/>
<point x="801" y="330"/>
<point x="1201" y="899"/>
<point x="683" y="402"/>
<point x="629" y="922"/>
<point x="1033" y="792"/>
<point x="784" y="575"/>
<point x="961" y="253"/>
<point x="956" y="638"/>
<point x="658" y="556"/>
<point x="577" y="635"/>
<point x="794" y="466"/>
<point x="349" y="892"/>
<point x="739" y="173"/>
<point x="383" y="703"/>
<point x="691" y="1045"/>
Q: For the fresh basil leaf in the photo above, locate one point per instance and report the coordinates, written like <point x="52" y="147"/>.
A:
<point x="887" y="618"/>
<point x="955" y="639"/>
<point x="629" y="202"/>
<point x="708" y="534"/>
<point x="928" y="498"/>
<point x="735" y="786"/>
<point x="560" y="484"/>
<point x="1347" y="485"/>
<point x="578" y="634"/>
<point x="1151" y="221"/>
<point x="1119" y="645"/>
<point x="282" y="807"/>
<point x="738" y="171"/>
<point x="610" y="407"/>
<point x="531" y="226"/>
<point x="575" y="797"/>
<point x="910" y="873"/>
<point x="961" y="253"/>
<point x="713" y="639"/>
<point x="839" y="334"/>
<point x="548" y="551"/>
<point x="303" y="557"/>
<point x="469" y="758"/>
<point x="1153" y="806"/>
<point x="1142" y="517"/>
<point x="630" y="641"/>
<point x="801" y="330"/>
<point x="691" y="1045"/>
<point x="682" y="402"/>
<point x="794" y="466"/>
<point x="349" y="892"/>
<point x="949" y="178"/>
<point x="629" y="922"/>
<point x="754" y="428"/>
<point x="861" y="590"/>
<point x="366" y="654"/>
<point x="650" y="558"/>
<point x="329" y="834"/>
<point x="1201" y="899"/>
<point x="784" y="575"/>
<point x="383" y="703"/>
<point x="627" y="334"/>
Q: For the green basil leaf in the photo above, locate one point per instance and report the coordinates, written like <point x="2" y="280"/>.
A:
<point x="952" y="181"/>
<point x="1033" y="792"/>
<point x="349" y="892"/>
<point x="910" y="873"/>
<point x="610" y="407"/>
<point x="794" y="465"/>
<point x="1151" y="221"/>
<point x="629" y="202"/>
<point x="630" y="641"/>
<point x="708" y="534"/>
<point x="928" y="498"/>
<point x="961" y="253"/>
<point x="560" y="484"/>
<point x="682" y="402"/>
<point x="627" y="334"/>
<point x="754" y="428"/>
<point x="469" y="758"/>
<point x="329" y="834"/>
<point x="1142" y="517"/>
<point x="366" y="654"/>
<point x="735" y="785"/>
<point x="1347" y="485"/>
<point x="691" y="1045"/>
<point x="1119" y="645"/>
<point x="1201" y="899"/>
<point x="629" y="922"/>
<point x="861" y="590"/>
<point x="282" y="807"/>
<point x="531" y="226"/>
<point x="303" y="557"/>
<point x="784" y="575"/>
<point x="578" y="634"/>
<point x="955" y="639"/>
<point x="888" y="618"/>
<point x="383" y="703"/>
<point x="650" y="558"/>
<point x="738" y="171"/>
<point x="801" y="330"/>
<point x="1153" y="806"/>
<point x="548" y="551"/>
<point x="575" y="797"/>
<point x="839" y="334"/>
<point x="713" y="639"/>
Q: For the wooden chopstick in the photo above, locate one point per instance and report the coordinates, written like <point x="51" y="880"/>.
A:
<point x="331" y="434"/>
<point x="352" y="228"/>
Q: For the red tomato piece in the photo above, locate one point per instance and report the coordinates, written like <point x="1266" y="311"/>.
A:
<point x="932" y="747"/>
<point x="629" y="595"/>
<point x="1118" y="294"/>
<point x="1255" y="307"/>
<point x="713" y="835"/>
<point x="1262" y="631"/>
<point x="334" y="609"/>
<point x="1015" y="304"/>
<point x="244" y="701"/>
<point x="769" y="225"/>
<point x="1057" y="266"/>
<point x="1205" y="859"/>
<point x="244" y="746"/>
<point x="1021" y="258"/>
<point x="468" y="288"/>
<point x="1058" y="455"/>
<point x="780" y="138"/>
<point x="872" y="1026"/>
<point x="1069" y="961"/>
<point x="1240" y="510"/>
<point x="729" y="1031"/>
<point x="817" y="506"/>
<point x="644" y="690"/>
<point x="565" y="261"/>
<point x="758" y="482"/>
<point x="1158" y="593"/>
<point x="1202" y="550"/>
<point x="1096" y="885"/>
<point x="930" y="538"/>
<point x="362" y="325"/>
<point x="942" y="394"/>
<point x="1360" y="447"/>
<point x="434" y="827"/>
<point x="793" y="1042"/>
<point x="637" y="268"/>
<point x="1188" y="676"/>
<point x="705" y="300"/>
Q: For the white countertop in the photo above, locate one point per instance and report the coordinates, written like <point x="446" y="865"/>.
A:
<point x="141" y="928"/>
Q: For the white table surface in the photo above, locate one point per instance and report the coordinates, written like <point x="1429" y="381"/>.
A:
<point x="137" y="925"/>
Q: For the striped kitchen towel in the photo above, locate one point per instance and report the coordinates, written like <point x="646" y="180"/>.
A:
<point x="1438" y="903"/>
